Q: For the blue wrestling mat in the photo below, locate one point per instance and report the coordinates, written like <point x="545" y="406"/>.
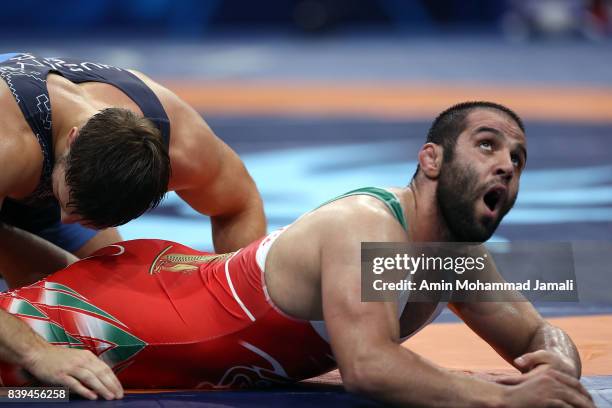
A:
<point x="233" y="399"/>
<point x="323" y="396"/>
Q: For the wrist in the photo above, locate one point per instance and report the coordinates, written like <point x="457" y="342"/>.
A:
<point x="498" y="397"/>
<point x="32" y="355"/>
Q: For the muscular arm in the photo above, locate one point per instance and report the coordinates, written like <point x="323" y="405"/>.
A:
<point x="210" y="176"/>
<point x="365" y="335"/>
<point x="212" y="179"/>
<point x="514" y="329"/>
<point x="229" y="196"/>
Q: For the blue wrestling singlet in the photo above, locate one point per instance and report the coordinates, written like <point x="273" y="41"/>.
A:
<point x="26" y="76"/>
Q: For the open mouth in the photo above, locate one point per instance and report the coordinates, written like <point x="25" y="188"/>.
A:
<point x="493" y="198"/>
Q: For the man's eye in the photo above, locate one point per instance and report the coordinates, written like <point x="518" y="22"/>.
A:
<point x="516" y="160"/>
<point x="486" y="145"/>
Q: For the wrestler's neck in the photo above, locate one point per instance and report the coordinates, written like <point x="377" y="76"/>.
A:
<point x="425" y="222"/>
<point x="63" y="123"/>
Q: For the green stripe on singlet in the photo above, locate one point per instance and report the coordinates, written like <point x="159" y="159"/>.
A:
<point x="387" y="197"/>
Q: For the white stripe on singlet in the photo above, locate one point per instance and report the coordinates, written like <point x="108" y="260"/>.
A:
<point x="231" y="285"/>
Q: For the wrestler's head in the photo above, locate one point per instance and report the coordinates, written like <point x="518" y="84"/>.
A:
<point x="115" y="168"/>
<point x="483" y="151"/>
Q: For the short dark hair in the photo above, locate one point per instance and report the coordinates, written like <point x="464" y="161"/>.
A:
<point x="117" y="168"/>
<point x="449" y="124"/>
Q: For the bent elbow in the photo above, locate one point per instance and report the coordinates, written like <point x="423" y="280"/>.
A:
<point x="360" y="378"/>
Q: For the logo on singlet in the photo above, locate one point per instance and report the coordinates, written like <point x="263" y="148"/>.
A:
<point x="184" y="263"/>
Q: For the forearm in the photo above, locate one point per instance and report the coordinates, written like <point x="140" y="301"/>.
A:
<point x="26" y="258"/>
<point x="550" y="338"/>
<point x="234" y="231"/>
<point x="402" y="378"/>
<point x="18" y="342"/>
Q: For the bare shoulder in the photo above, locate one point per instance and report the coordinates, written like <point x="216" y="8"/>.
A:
<point x="172" y="103"/>
<point x="183" y="117"/>
<point x="364" y="213"/>
<point x="144" y="78"/>
<point x="352" y="220"/>
<point x="191" y="139"/>
<point x="176" y="109"/>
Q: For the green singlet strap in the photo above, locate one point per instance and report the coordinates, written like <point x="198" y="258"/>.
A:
<point x="387" y="197"/>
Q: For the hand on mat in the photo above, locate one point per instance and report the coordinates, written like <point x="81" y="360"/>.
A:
<point x="549" y="388"/>
<point x="544" y="358"/>
<point x="80" y="370"/>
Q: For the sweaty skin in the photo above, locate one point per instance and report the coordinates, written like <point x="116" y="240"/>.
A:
<point x="313" y="271"/>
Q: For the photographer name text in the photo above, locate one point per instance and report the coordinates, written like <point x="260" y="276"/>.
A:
<point x="473" y="285"/>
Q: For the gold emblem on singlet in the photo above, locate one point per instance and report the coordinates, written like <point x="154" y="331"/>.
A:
<point x="184" y="263"/>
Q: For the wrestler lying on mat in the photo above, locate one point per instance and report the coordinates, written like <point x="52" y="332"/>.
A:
<point x="288" y="306"/>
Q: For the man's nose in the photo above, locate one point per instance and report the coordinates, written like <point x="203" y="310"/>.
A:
<point x="504" y="167"/>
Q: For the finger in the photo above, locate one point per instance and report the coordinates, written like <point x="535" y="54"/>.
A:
<point x="527" y="361"/>
<point x="571" y="382"/>
<point x="105" y="374"/>
<point x="75" y="386"/>
<point x="118" y="386"/>
<point x="519" y="379"/>
<point x="88" y="378"/>
<point x="108" y="378"/>
<point x="510" y="380"/>
<point x="575" y="399"/>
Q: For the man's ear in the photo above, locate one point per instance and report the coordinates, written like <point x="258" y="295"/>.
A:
<point x="430" y="160"/>
<point x="72" y="135"/>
